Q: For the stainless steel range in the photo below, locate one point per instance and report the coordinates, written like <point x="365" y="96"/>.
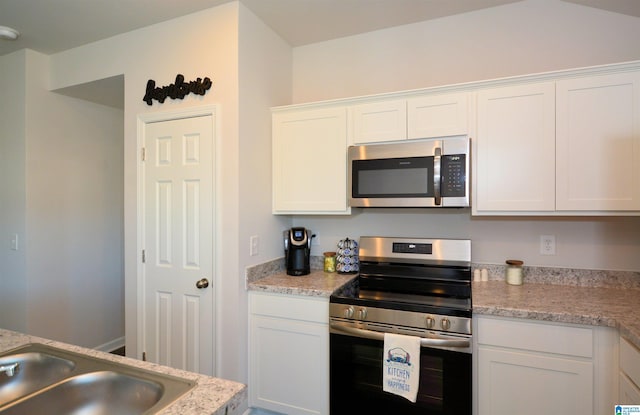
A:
<point x="413" y="286"/>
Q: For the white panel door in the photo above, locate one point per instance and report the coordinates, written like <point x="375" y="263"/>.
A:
<point x="179" y="244"/>
<point x="598" y="143"/>
<point x="518" y="382"/>
<point x="438" y="115"/>
<point x="310" y="161"/>
<point x="515" y="149"/>
<point x="380" y="121"/>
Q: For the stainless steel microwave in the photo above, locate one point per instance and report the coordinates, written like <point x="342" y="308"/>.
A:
<point x="425" y="173"/>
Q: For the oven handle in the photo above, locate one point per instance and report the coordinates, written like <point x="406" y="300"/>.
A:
<point x="424" y="342"/>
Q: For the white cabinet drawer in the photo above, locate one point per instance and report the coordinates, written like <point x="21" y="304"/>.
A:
<point x="630" y="361"/>
<point x="313" y="309"/>
<point x="538" y="336"/>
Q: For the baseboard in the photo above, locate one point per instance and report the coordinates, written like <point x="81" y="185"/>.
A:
<point x="112" y="345"/>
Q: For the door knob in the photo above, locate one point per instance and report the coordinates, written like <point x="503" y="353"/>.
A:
<point x="203" y="283"/>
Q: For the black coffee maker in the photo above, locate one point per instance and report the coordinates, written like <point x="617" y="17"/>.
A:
<point x="297" y="250"/>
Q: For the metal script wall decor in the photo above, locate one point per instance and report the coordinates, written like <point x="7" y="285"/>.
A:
<point x="177" y="90"/>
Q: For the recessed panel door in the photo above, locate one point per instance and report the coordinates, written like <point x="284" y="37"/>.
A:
<point x="179" y="244"/>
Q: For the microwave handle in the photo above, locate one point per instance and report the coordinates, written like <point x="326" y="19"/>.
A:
<point x="436" y="176"/>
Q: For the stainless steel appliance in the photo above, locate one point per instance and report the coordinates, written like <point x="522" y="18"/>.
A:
<point x="413" y="286"/>
<point x="425" y="173"/>
<point x="297" y="250"/>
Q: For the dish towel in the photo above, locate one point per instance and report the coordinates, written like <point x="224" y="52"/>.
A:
<point x="401" y="365"/>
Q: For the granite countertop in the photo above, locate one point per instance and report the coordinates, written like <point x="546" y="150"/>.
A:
<point x="597" y="306"/>
<point x="210" y="395"/>
<point x="316" y="284"/>
<point x="613" y="304"/>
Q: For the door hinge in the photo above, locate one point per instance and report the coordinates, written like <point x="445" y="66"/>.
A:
<point x="144" y="356"/>
<point x="143" y="154"/>
<point x="144" y="257"/>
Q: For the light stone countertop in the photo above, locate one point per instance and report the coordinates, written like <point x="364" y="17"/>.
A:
<point x="316" y="284"/>
<point x="210" y="395"/>
<point x="596" y="306"/>
<point x="599" y="305"/>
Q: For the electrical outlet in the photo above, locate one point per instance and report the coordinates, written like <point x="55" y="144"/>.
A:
<point x="547" y="244"/>
<point x="254" y="245"/>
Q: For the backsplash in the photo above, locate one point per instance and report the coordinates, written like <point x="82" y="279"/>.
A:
<point x="568" y="276"/>
<point x="496" y="272"/>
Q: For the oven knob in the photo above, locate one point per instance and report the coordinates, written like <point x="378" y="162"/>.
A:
<point x="348" y="312"/>
<point x="362" y="313"/>
<point x="445" y="323"/>
<point x="430" y="321"/>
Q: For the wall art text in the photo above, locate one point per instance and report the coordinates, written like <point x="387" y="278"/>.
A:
<point x="177" y="90"/>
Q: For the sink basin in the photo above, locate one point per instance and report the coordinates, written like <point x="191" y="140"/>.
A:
<point x="56" y="381"/>
<point x="35" y="370"/>
<point x="97" y="393"/>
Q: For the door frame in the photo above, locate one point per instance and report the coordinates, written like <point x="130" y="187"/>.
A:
<point x="142" y="120"/>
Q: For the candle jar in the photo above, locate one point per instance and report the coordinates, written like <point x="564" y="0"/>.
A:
<point x="329" y="262"/>
<point x="514" y="271"/>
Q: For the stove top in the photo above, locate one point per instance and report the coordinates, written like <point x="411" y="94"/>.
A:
<point x="431" y="277"/>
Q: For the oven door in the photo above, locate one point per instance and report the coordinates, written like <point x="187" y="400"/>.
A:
<point x="356" y="379"/>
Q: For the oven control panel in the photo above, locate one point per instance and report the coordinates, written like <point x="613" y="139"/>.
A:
<point x="403" y="318"/>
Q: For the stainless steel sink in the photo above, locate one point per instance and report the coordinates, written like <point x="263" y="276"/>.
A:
<point x="93" y="393"/>
<point x="34" y="371"/>
<point x="56" y="381"/>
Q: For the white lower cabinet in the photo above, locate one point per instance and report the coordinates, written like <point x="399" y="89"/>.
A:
<point x="289" y="353"/>
<point x="530" y="367"/>
<point x="629" y="374"/>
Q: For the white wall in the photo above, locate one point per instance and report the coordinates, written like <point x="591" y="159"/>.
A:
<point x="74" y="197"/>
<point x="12" y="191"/>
<point x="524" y="37"/>
<point x="212" y="43"/>
<point x="265" y="81"/>
<point x="202" y="45"/>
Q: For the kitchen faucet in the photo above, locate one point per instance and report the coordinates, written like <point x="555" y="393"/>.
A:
<point x="10" y="370"/>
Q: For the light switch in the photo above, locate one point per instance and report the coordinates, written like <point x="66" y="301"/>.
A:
<point x="254" y="245"/>
<point x="14" y="242"/>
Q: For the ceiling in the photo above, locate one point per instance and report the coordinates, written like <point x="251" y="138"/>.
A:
<point x="49" y="26"/>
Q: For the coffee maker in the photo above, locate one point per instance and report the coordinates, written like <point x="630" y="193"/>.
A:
<point x="297" y="250"/>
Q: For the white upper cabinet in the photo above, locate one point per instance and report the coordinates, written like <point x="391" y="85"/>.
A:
<point x="379" y="121"/>
<point x="598" y="143"/>
<point x="438" y="115"/>
<point x="561" y="143"/>
<point x="569" y="146"/>
<point x="514" y="151"/>
<point x="310" y="161"/>
<point x="426" y="116"/>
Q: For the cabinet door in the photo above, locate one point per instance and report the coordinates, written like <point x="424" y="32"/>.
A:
<point x="629" y="393"/>
<point x="514" y="157"/>
<point x="598" y="143"/>
<point x="438" y="115"/>
<point x="310" y="161"/>
<point x="379" y="121"/>
<point x="517" y="382"/>
<point x="289" y="366"/>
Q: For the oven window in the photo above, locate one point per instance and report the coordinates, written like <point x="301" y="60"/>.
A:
<point x="356" y="380"/>
<point x="401" y="177"/>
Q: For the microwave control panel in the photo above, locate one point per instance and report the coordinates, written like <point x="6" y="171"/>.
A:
<point x="453" y="175"/>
